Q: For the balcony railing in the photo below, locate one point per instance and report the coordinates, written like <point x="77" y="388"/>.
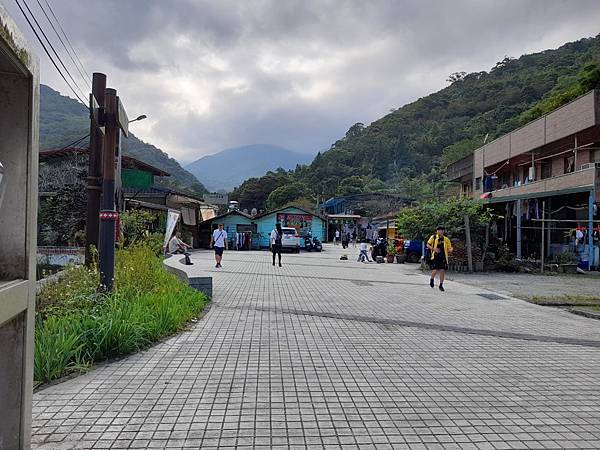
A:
<point x="580" y="179"/>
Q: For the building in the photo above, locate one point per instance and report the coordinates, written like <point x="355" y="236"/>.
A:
<point x="344" y="223"/>
<point x="234" y="222"/>
<point x="19" y="124"/>
<point x="543" y="182"/>
<point x="138" y="188"/>
<point x="305" y="222"/>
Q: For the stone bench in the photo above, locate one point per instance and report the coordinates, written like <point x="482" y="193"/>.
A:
<point x="176" y="265"/>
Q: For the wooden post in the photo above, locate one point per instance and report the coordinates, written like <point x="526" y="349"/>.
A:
<point x="94" y="178"/>
<point x="543" y="235"/>
<point x="469" y="250"/>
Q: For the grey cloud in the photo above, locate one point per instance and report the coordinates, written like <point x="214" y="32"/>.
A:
<point x="298" y="73"/>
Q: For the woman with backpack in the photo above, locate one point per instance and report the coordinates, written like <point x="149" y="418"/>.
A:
<point x="276" y="236"/>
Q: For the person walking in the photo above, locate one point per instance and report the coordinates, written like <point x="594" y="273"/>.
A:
<point x="336" y="239"/>
<point x="354" y="238"/>
<point x="219" y="243"/>
<point x="275" y="240"/>
<point x="440" y="247"/>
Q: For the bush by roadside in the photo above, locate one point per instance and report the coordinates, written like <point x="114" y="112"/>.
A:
<point x="76" y="327"/>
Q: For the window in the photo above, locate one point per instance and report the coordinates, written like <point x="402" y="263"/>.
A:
<point x="596" y="156"/>
<point x="478" y="183"/>
<point x="569" y="164"/>
<point x="546" y="169"/>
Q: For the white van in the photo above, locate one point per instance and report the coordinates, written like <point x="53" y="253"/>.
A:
<point x="290" y="239"/>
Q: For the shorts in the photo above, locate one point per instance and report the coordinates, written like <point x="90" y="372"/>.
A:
<point x="219" y="251"/>
<point x="439" y="262"/>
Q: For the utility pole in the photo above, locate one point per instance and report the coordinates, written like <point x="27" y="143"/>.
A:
<point x="108" y="215"/>
<point x="94" y="185"/>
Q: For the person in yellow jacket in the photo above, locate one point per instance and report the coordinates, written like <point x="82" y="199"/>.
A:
<point x="440" y="247"/>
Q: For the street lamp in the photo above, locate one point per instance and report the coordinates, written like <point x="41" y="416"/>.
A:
<point x="142" y="117"/>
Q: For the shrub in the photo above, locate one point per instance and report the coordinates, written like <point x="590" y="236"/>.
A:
<point x="567" y="258"/>
<point x="76" y="326"/>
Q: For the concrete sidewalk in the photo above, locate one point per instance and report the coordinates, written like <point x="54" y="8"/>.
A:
<point x="324" y="353"/>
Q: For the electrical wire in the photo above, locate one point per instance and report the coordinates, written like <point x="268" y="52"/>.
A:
<point x="66" y="37"/>
<point x="74" y="142"/>
<point x="83" y="75"/>
<point x="48" y="54"/>
<point x="54" y="50"/>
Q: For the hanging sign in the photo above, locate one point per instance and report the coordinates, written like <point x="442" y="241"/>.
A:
<point x="172" y="218"/>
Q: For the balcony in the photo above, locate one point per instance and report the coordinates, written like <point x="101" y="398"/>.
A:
<point x="578" y="181"/>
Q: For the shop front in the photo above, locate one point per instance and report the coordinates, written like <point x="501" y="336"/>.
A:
<point x="305" y="222"/>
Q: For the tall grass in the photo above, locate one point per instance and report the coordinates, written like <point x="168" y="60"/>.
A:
<point x="77" y="327"/>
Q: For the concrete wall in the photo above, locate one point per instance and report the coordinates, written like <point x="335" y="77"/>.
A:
<point x="19" y="110"/>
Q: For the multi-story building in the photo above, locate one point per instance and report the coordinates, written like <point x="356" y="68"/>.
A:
<point x="543" y="182"/>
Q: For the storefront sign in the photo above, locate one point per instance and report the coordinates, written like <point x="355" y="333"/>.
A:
<point x="216" y="199"/>
<point x="297" y="221"/>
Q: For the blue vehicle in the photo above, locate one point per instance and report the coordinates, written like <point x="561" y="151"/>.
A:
<point x="413" y="249"/>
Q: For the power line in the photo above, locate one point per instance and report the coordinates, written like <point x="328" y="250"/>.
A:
<point x="54" y="50"/>
<point x="83" y="75"/>
<point x="74" y="142"/>
<point x="85" y="71"/>
<point x="48" y="54"/>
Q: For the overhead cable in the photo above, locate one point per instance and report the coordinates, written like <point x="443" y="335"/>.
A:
<point x="82" y="73"/>
<point x="48" y="53"/>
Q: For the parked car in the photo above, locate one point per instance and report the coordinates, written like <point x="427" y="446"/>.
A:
<point x="290" y="239"/>
<point x="413" y="249"/>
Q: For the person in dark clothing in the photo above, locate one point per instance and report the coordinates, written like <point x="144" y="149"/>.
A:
<point x="276" y="236"/>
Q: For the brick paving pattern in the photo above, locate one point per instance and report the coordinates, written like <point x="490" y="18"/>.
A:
<point x="324" y="353"/>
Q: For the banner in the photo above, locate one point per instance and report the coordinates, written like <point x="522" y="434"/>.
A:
<point x="216" y="199"/>
<point x="297" y="221"/>
<point x="172" y="218"/>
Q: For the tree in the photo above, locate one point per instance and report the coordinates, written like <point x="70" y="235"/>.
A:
<point x="456" y="76"/>
<point x="421" y="221"/>
<point x="286" y="194"/>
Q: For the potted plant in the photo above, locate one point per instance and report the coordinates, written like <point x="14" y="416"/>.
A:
<point x="391" y="253"/>
<point x="567" y="262"/>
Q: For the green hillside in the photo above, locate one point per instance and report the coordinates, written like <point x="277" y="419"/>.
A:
<point x="63" y="120"/>
<point x="406" y="151"/>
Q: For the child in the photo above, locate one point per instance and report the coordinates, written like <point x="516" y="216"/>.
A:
<point x="363" y="249"/>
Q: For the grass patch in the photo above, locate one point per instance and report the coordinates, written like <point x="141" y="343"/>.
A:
<point x="566" y="300"/>
<point x="76" y="327"/>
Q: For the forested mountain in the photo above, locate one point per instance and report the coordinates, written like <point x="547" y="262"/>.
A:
<point x="228" y="168"/>
<point x="407" y="150"/>
<point x="63" y="121"/>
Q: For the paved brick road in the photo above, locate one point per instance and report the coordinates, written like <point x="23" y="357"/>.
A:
<point x="324" y="353"/>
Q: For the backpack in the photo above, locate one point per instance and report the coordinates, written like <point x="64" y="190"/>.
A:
<point x="277" y="238"/>
<point x="428" y="251"/>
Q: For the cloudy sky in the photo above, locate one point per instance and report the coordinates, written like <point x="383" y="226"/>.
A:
<point x="217" y="74"/>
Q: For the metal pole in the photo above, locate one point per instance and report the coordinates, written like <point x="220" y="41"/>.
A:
<point x="108" y="214"/>
<point x="519" y="229"/>
<point x="543" y="235"/>
<point x="591" y="201"/>
<point x="469" y="249"/>
<point x="94" y="185"/>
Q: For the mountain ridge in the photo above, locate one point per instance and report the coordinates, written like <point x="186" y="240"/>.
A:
<point x="228" y="168"/>
<point x="64" y="120"/>
<point x="405" y="152"/>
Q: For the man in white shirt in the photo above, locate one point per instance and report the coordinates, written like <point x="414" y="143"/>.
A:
<point x="219" y="242"/>
<point x="336" y="239"/>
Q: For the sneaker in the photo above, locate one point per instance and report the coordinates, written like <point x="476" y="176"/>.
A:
<point x="432" y="283"/>
<point x="279" y="264"/>
<point x="442" y="288"/>
<point x="217" y="266"/>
